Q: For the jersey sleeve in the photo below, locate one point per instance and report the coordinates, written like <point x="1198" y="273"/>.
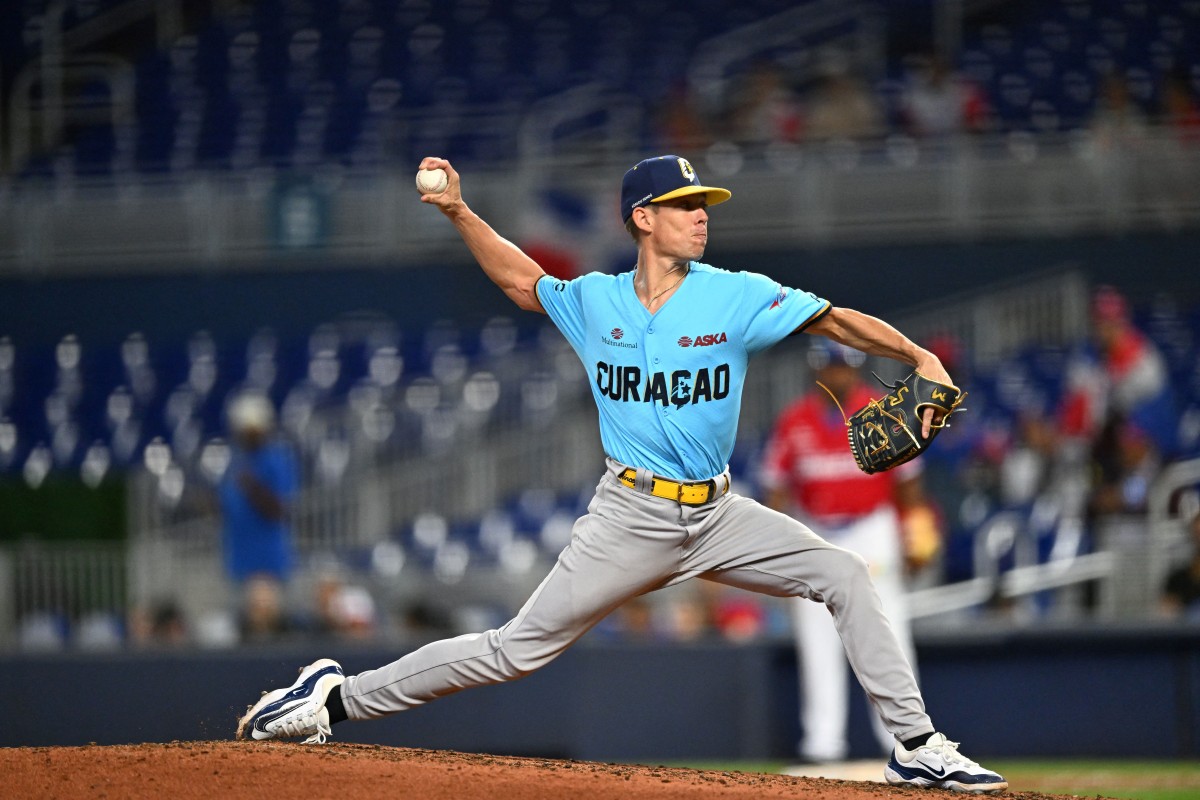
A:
<point x="563" y="302"/>
<point x="775" y="311"/>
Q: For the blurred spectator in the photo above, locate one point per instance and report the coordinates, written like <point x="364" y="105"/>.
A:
<point x="1139" y="385"/>
<point x="162" y="624"/>
<point x="425" y="620"/>
<point x="739" y="617"/>
<point x="809" y="472"/>
<point x="684" y="617"/>
<point x="841" y="107"/>
<point x="264" y="616"/>
<point x="678" y="614"/>
<point x="1181" y="594"/>
<point x="1127" y="463"/>
<point x="256" y="492"/>
<point x="767" y="109"/>
<point x="1179" y="110"/>
<point x="939" y="103"/>
<point x="1126" y="378"/>
<point x="1117" y="121"/>
<point x="680" y="125"/>
<point x="634" y="620"/>
<point x="343" y="609"/>
<point x="1037" y="462"/>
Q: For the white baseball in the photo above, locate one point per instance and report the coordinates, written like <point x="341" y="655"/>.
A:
<point x="432" y="181"/>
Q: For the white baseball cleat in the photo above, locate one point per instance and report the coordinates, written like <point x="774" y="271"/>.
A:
<point x="938" y="764"/>
<point x="298" y="710"/>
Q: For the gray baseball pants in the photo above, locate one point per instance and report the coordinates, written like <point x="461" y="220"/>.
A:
<point x="630" y="543"/>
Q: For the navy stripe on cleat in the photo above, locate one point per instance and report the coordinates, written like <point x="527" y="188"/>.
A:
<point x="298" y="710"/>
<point x="938" y="764"/>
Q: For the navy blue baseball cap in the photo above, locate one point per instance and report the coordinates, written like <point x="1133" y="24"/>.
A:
<point x="663" y="178"/>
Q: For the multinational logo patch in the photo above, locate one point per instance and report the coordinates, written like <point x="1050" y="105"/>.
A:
<point x="614" y="339"/>
<point x="703" y="340"/>
<point x="779" y="299"/>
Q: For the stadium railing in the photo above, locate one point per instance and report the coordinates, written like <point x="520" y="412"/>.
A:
<point x="894" y="190"/>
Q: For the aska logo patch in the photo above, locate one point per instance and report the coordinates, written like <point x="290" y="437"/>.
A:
<point x="703" y="340"/>
<point x="616" y="333"/>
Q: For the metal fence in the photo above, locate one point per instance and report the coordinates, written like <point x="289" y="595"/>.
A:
<point x="55" y="595"/>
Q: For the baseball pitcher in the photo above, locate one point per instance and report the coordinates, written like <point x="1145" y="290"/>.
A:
<point x="665" y="346"/>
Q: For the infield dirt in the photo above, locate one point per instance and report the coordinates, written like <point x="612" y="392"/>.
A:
<point x="358" y="772"/>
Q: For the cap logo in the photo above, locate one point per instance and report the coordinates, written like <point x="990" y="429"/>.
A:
<point x="685" y="167"/>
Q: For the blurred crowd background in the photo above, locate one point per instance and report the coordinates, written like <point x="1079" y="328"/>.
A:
<point x="252" y="391"/>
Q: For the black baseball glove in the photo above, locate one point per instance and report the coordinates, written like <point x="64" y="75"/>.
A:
<point x="887" y="432"/>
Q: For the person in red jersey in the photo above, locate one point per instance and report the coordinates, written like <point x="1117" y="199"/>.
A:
<point x="808" y="472"/>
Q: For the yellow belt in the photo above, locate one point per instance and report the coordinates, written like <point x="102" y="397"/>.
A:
<point x="695" y="493"/>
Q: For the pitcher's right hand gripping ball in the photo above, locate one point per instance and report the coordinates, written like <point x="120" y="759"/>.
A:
<point x="887" y="432"/>
<point x="447" y="197"/>
<point x="432" y="181"/>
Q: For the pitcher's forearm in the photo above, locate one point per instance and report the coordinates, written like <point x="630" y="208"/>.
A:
<point x="878" y="338"/>
<point x="509" y="268"/>
<point x="506" y="264"/>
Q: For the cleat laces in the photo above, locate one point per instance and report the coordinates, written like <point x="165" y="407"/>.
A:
<point x="948" y="752"/>
<point x="323" y="733"/>
<point x="307" y="723"/>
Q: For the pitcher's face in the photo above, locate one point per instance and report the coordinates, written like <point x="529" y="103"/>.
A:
<point x="680" y="227"/>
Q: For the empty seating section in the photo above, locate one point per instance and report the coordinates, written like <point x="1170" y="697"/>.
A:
<point x="1047" y="71"/>
<point x="366" y="82"/>
<point x="76" y="404"/>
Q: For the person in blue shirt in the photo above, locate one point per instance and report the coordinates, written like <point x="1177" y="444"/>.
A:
<point x="665" y="347"/>
<point x="256" y="492"/>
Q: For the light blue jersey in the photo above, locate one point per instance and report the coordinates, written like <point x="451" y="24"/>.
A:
<point x="668" y="385"/>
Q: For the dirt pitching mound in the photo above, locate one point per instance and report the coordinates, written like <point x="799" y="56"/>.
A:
<point x="359" y="772"/>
